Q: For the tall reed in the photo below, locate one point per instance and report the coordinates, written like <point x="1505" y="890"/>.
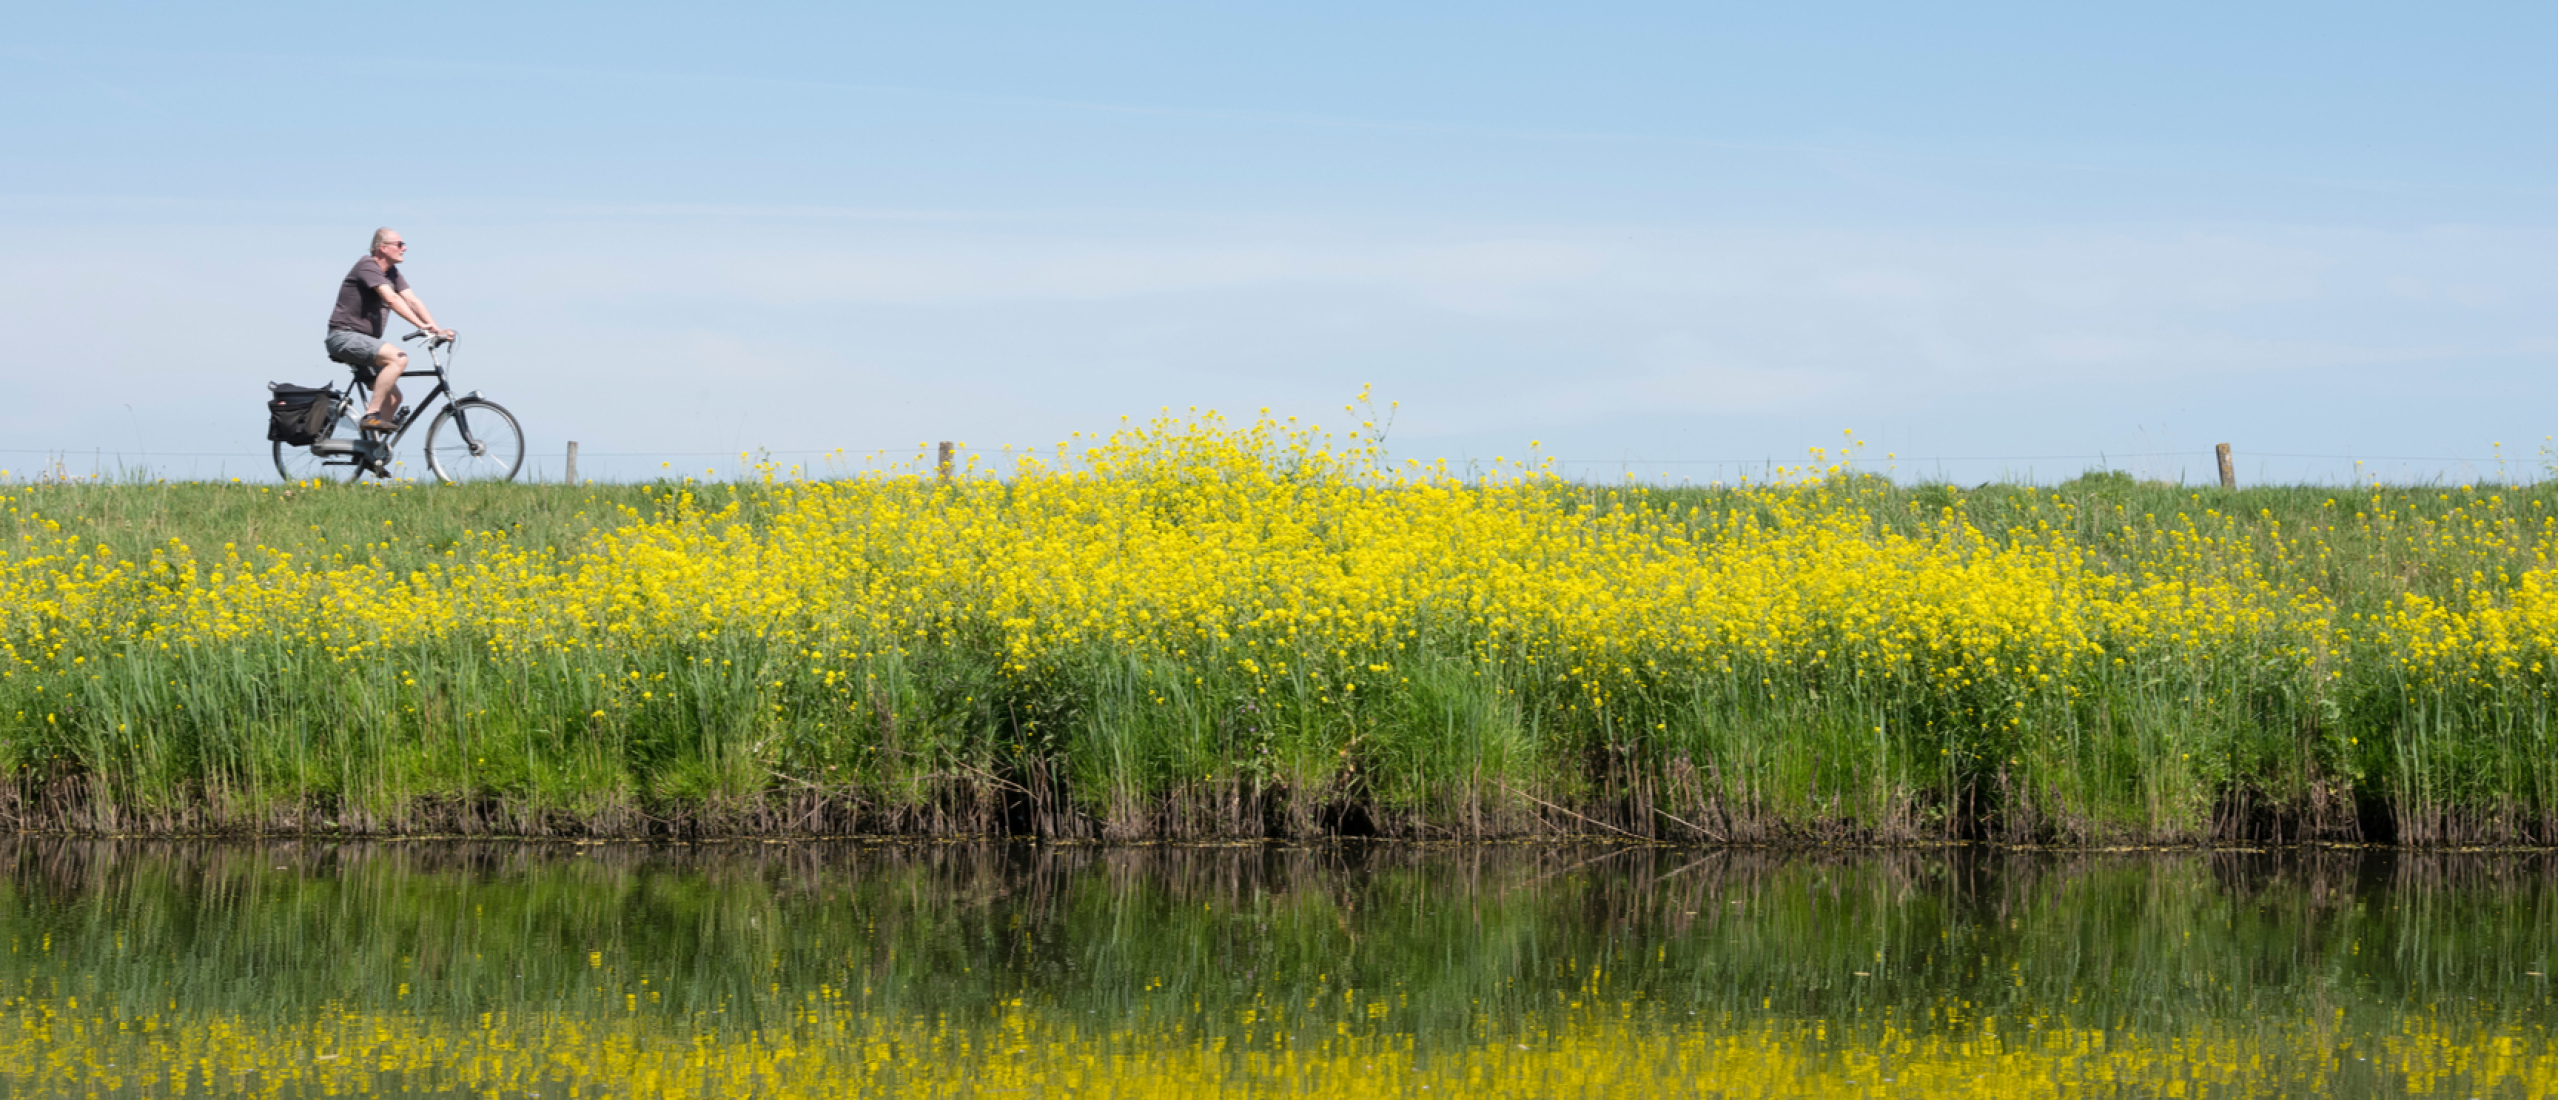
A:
<point x="1195" y="628"/>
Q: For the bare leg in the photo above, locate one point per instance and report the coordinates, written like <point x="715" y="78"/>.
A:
<point x="386" y="382"/>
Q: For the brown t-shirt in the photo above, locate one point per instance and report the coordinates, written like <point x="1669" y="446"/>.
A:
<point x="360" y="307"/>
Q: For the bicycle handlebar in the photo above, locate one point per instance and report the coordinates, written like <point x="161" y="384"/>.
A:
<point x="422" y="332"/>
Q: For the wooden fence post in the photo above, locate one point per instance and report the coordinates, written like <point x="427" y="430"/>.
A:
<point x="945" y="459"/>
<point x="2228" y="469"/>
<point x="572" y="462"/>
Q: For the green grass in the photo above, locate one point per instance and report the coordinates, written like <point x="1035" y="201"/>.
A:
<point x="1126" y="744"/>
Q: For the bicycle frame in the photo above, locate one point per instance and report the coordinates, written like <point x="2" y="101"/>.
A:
<point x="362" y="395"/>
<point x="373" y="449"/>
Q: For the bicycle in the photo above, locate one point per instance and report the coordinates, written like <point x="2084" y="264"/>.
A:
<point x="473" y="439"/>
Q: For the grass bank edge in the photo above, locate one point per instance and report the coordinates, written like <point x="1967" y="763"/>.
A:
<point x="946" y="733"/>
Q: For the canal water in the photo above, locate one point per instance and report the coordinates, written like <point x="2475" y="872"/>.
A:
<point x="1350" y="970"/>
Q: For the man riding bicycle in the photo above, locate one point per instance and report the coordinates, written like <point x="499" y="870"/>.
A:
<point x="355" y="325"/>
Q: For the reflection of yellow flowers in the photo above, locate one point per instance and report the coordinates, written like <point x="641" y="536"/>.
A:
<point x="828" y="1048"/>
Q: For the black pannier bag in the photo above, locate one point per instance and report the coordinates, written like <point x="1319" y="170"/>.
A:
<point x="296" y="415"/>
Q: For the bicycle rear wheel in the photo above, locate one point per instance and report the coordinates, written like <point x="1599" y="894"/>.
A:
<point x="474" y="440"/>
<point x="295" y="464"/>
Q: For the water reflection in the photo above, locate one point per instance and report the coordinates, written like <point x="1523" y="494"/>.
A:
<point x="147" y="969"/>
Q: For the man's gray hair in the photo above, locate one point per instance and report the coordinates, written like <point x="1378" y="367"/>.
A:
<point x="380" y="237"/>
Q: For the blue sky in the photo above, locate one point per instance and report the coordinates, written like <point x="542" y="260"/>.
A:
<point x="1676" y="240"/>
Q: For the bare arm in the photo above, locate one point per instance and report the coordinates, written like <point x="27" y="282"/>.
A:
<point x="425" y="319"/>
<point x="406" y="304"/>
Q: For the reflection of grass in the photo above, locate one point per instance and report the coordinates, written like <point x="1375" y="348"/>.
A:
<point x="1204" y="629"/>
<point x="1353" y="970"/>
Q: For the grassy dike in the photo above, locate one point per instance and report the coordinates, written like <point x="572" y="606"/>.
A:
<point x="1199" y="631"/>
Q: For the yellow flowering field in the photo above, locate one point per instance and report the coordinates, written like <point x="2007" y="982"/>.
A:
<point x="1193" y="627"/>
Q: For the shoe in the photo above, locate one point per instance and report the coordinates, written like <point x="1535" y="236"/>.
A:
<point x="375" y="423"/>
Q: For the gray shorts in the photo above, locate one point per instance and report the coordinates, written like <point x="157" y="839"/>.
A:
<point x="356" y="350"/>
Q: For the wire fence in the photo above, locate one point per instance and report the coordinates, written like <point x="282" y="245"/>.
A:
<point x="100" y="463"/>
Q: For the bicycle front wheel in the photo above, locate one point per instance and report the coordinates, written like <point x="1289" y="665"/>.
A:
<point x="474" y="440"/>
